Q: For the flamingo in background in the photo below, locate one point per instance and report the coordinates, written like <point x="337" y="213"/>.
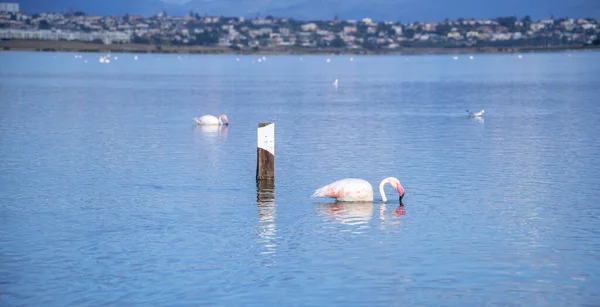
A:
<point x="211" y="120"/>
<point x="357" y="190"/>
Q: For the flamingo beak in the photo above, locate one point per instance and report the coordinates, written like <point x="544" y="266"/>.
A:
<point x="400" y="198"/>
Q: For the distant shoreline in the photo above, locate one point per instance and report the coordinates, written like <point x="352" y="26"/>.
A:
<point x="74" y="46"/>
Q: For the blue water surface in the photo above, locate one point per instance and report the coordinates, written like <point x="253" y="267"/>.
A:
<point x="111" y="195"/>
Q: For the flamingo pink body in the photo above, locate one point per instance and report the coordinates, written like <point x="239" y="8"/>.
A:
<point x="349" y="189"/>
<point x="356" y="190"/>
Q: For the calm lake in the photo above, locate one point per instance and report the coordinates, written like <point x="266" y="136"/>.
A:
<point x="110" y="194"/>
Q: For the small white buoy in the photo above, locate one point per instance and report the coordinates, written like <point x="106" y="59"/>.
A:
<point x="328" y="60"/>
<point x="471" y="57"/>
<point x="351" y="59"/>
<point x="135" y="58"/>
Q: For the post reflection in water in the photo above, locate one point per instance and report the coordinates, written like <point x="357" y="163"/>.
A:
<point x="359" y="214"/>
<point x="266" y="228"/>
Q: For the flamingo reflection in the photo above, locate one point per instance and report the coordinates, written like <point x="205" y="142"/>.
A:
<point x="355" y="213"/>
<point x="213" y="130"/>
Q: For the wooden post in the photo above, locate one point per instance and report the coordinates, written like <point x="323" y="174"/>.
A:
<point x="265" y="159"/>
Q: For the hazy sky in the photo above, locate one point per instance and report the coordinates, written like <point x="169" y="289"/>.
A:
<point x="406" y="10"/>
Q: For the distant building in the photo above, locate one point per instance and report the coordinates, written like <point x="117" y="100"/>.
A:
<point x="349" y="29"/>
<point x="11" y="7"/>
<point x="309" y="27"/>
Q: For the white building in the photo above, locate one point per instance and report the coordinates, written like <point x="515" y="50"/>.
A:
<point x="105" y="37"/>
<point x="10" y="7"/>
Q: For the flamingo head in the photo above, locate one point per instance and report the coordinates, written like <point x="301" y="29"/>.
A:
<point x="396" y="184"/>
<point x="224" y="119"/>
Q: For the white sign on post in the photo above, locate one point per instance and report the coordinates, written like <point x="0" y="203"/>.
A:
<point x="266" y="138"/>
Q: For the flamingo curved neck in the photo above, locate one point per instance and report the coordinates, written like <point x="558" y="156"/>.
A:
<point x="381" y="191"/>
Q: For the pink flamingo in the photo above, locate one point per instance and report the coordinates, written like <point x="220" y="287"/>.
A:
<point x="357" y="190"/>
<point x="212" y="120"/>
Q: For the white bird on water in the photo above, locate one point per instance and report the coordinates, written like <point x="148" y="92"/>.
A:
<point x="335" y="83"/>
<point x="476" y="114"/>
<point x="357" y="190"/>
<point x="212" y="120"/>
